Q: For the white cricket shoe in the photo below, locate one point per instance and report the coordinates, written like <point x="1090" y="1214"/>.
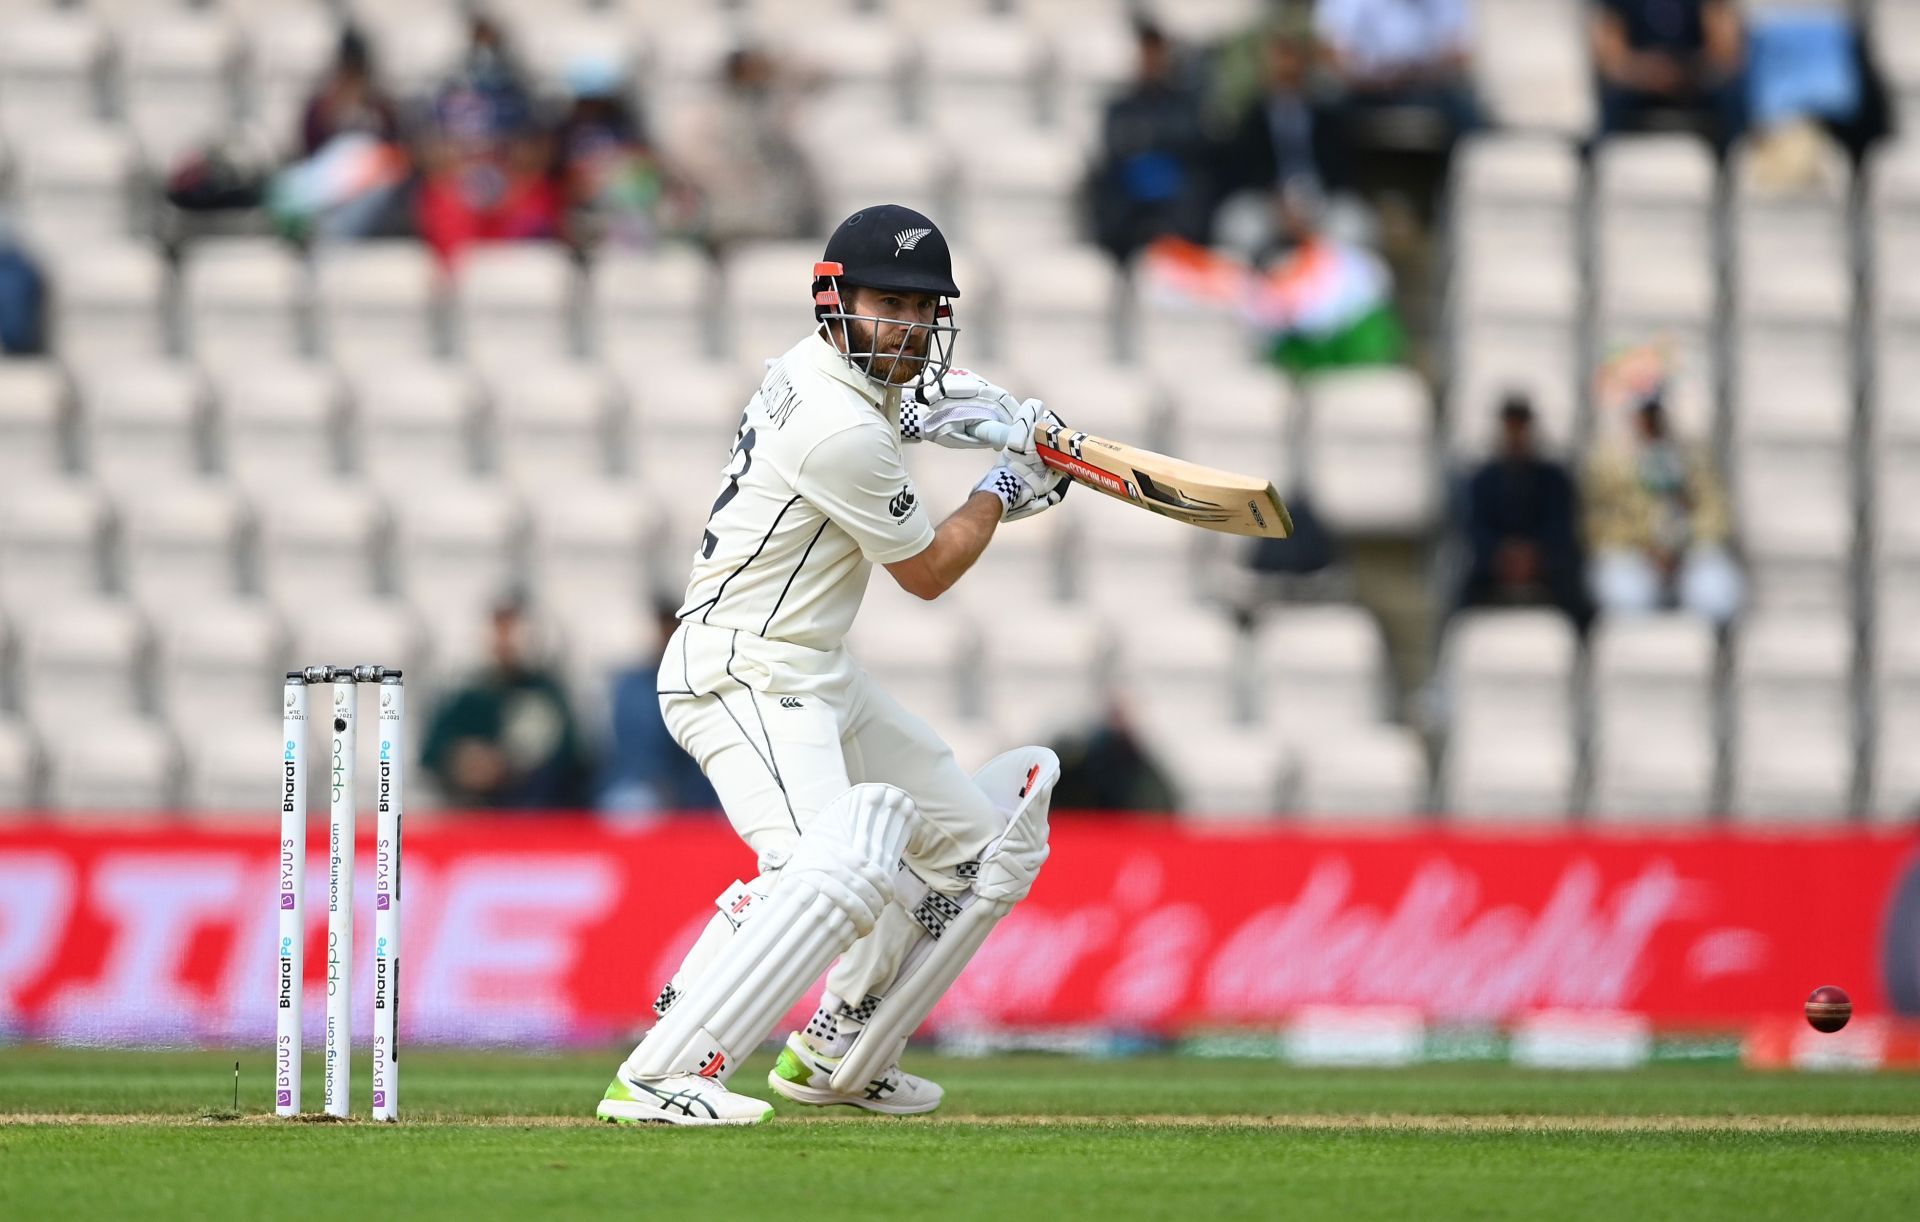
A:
<point x="801" y="1075"/>
<point x="681" y="1098"/>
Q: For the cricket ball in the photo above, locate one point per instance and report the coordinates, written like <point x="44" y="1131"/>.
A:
<point x="1828" y="1008"/>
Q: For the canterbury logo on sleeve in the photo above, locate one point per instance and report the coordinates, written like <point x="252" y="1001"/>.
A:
<point x="902" y="504"/>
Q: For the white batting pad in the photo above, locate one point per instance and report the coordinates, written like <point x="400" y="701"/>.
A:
<point x="1021" y="783"/>
<point x="840" y="878"/>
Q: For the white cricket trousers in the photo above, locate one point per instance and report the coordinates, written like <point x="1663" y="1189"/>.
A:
<point x="782" y="730"/>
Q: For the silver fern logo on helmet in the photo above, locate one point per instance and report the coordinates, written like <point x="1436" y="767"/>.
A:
<point x="907" y="239"/>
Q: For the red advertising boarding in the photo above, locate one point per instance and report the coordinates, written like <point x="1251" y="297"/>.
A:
<point x="561" y="929"/>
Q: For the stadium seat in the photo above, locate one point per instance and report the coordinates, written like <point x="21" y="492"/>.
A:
<point x="1793" y="719"/>
<point x="1510" y="750"/>
<point x="35" y="416"/>
<point x="51" y="70"/>
<point x="980" y="75"/>
<point x="321" y="539"/>
<point x="596" y="644"/>
<point x="1116" y="551"/>
<point x="20" y="767"/>
<point x="1182" y="655"/>
<point x="1060" y="306"/>
<point x="1094" y="57"/>
<point x="593" y="545"/>
<point x="1319" y="668"/>
<point x="277" y="418"/>
<point x="1369" y="452"/>
<point x="515" y="302"/>
<point x="245" y="302"/>
<point x="1517" y="192"/>
<point x="53" y="542"/>
<point x="1110" y="400"/>
<point x="916" y="171"/>
<point x="1220" y="771"/>
<point x="1026" y="555"/>
<point x="376" y="302"/>
<point x="458" y="550"/>
<point x="918" y="651"/>
<point x="288" y="47"/>
<point x="1894" y="783"/>
<point x="1177" y="332"/>
<point x="111" y="302"/>
<point x="554" y="423"/>
<point x="1045" y="678"/>
<point x="1654" y="744"/>
<point x="75" y="185"/>
<point x="1373" y="772"/>
<point x="219" y="662"/>
<point x="1020" y="186"/>
<point x="81" y="664"/>
<point x="554" y="40"/>
<point x="179" y="76"/>
<point x="220" y="771"/>
<point x="415" y="423"/>
<point x="419" y="42"/>
<point x="1793" y="485"/>
<point x="341" y="630"/>
<point x="651" y="306"/>
<point x="1893" y="185"/>
<point x="181" y="545"/>
<point x="861" y="64"/>
<point x="766" y="296"/>
<point x="1530" y="65"/>
<point x="1247" y="410"/>
<point x="142" y="424"/>
<point x="692" y="402"/>
<point x="118" y="764"/>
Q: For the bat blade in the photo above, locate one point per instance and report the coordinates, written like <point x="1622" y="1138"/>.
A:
<point x="1172" y="487"/>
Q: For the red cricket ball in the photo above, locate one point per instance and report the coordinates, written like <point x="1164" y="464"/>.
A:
<point x="1828" y="1008"/>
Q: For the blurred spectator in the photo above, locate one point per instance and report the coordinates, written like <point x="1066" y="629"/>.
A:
<point x="23" y="300"/>
<point x="1399" y="57"/>
<point x="1151" y="178"/>
<point x="1107" y="768"/>
<point x="1280" y="139"/>
<point x="740" y="154"/>
<point x="1657" y="524"/>
<point x="1521" y="526"/>
<point x="1807" y="66"/>
<point x="615" y="186"/>
<point x="645" y="769"/>
<point x="351" y="177"/>
<point x="487" y="176"/>
<point x="489" y="68"/>
<point x="348" y="99"/>
<point x="1679" y="58"/>
<point x="506" y="738"/>
<point x="1326" y="302"/>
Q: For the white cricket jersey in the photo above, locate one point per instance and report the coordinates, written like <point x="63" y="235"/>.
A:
<point x="817" y="493"/>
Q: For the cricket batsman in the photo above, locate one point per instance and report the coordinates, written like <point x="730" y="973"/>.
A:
<point x="873" y="847"/>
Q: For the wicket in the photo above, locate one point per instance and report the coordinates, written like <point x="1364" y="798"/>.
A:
<point x="338" y="1058"/>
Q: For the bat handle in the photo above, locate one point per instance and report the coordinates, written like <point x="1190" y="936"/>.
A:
<point x="993" y="432"/>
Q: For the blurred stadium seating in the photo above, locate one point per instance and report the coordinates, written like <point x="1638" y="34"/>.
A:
<point x="240" y="453"/>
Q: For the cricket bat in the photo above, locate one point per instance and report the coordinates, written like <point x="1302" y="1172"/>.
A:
<point x="1172" y="487"/>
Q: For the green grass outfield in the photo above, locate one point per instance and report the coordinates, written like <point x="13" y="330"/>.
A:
<point x="115" y="1134"/>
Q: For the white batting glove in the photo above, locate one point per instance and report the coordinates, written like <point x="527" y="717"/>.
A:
<point x="1025" y="487"/>
<point x="948" y="411"/>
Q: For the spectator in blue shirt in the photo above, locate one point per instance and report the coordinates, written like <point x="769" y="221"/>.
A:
<point x="646" y="769"/>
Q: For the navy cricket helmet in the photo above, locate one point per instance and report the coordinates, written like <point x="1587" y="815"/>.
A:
<point x="889" y="246"/>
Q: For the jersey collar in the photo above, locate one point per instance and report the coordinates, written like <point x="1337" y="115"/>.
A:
<point x="832" y="362"/>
